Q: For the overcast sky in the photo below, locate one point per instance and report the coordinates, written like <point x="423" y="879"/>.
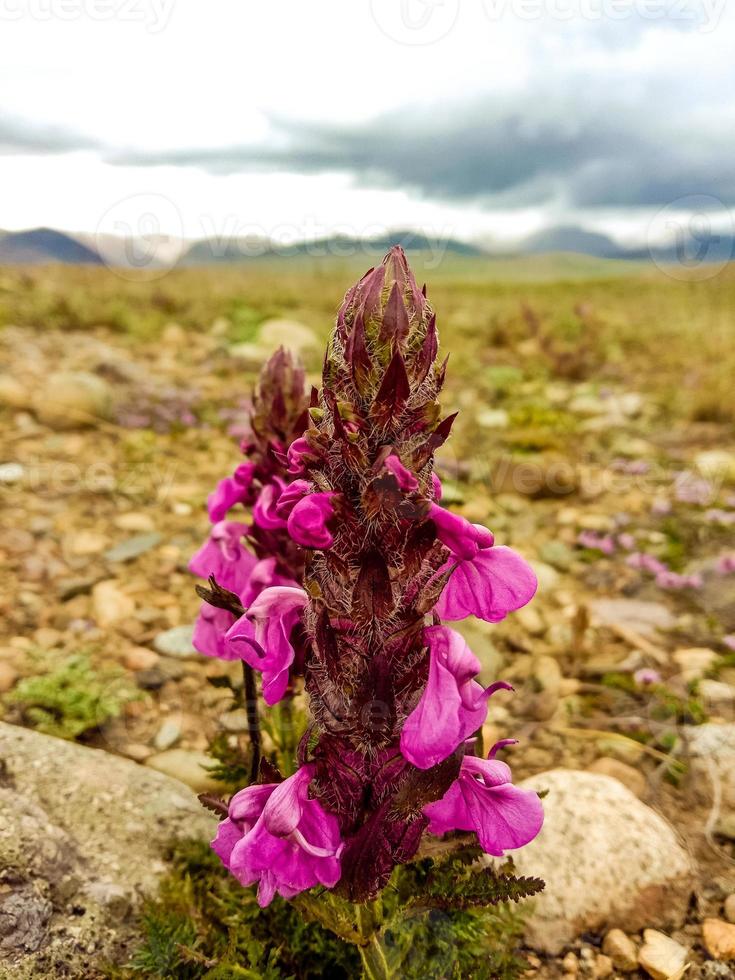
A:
<point x="296" y="118"/>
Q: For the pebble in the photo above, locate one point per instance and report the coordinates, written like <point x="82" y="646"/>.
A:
<point x="187" y="766"/>
<point x="176" y="642"/>
<point x="719" y="938"/>
<point x="622" y="951"/>
<point x="69" y="399"/>
<point x="635" y="614"/>
<point x="136" y="751"/>
<point x="133" y="547"/>
<point x="13" y="393"/>
<point x="662" y="957"/>
<point x="134" y="520"/>
<point x="151" y="679"/>
<point x="11" y="472"/>
<point x="110" y="603"/>
<point x="603" y="967"/>
<point x="570" y="964"/>
<point x="730" y="908"/>
<point x="87" y="542"/>
<point x="167" y="735"/>
<point x="531" y="620"/>
<point x="694" y="662"/>
<point x="621" y="771"/>
<point x="8" y="677"/>
<point x="548" y="577"/>
<point x="717" y="696"/>
<point x="140" y="658"/>
<point x="234" y="721"/>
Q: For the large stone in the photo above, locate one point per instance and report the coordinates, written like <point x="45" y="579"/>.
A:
<point x="83" y="836"/>
<point x="662" y="957"/>
<point x="608" y="860"/>
<point x="70" y="399"/>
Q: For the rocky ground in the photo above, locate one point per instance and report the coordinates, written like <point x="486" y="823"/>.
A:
<point x="571" y="449"/>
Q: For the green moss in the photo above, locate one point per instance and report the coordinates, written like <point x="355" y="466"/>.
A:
<point x="205" y="926"/>
<point x="71" y="698"/>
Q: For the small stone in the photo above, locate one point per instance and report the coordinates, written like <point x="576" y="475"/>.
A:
<point x="603" y="967"/>
<point x="293" y="335"/>
<point x="112" y="897"/>
<point x="662" y="957"/>
<point x="234" y="721"/>
<point x="634" y="614"/>
<point x="136" y="751"/>
<point x="493" y="418"/>
<point x="133" y="547"/>
<point x="70" y="399"/>
<point x="176" y="642"/>
<point x="570" y="964"/>
<point x="167" y="735"/>
<point x="717" y="696"/>
<point x="12" y="393"/>
<point x="152" y="679"/>
<point x="531" y="621"/>
<point x="719" y="938"/>
<point x="134" y="521"/>
<point x="622" y="951"/>
<point x="730" y="908"/>
<point x="87" y="542"/>
<point x="110" y="603"/>
<point x="140" y="658"/>
<point x="694" y="662"/>
<point x="8" y="677"/>
<point x="556" y="553"/>
<point x="625" y="774"/>
<point x="716" y="464"/>
<point x="11" y="472"/>
<point x="548" y="577"/>
<point x="188" y="767"/>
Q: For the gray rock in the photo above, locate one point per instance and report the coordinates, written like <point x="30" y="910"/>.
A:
<point x="608" y="860"/>
<point x="167" y="735"/>
<point x="82" y="838"/>
<point x="133" y="547"/>
<point x="176" y="642"/>
<point x="717" y="595"/>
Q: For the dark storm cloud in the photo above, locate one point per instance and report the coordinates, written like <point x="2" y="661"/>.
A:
<point x="18" y="136"/>
<point x="616" y="156"/>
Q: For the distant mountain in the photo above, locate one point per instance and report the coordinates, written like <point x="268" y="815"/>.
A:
<point x="238" y="250"/>
<point x="570" y="238"/>
<point x="42" y="245"/>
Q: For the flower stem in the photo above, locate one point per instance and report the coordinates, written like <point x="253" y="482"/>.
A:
<point x="250" y="703"/>
<point x="374" y="962"/>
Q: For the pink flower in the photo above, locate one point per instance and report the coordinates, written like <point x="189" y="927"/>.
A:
<point x="647" y="676"/>
<point x="210" y="632"/>
<point x="264" y="575"/>
<point x="230" y="491"/>
<point x="596" y="542"/>
<point x="486" y="582"/>
<point x="275" y="835"/>
<point x="483" y="799"/>
<point x="265" y="512"/>
<point x="225" y="556"/>
<point x="462" y="538"/>
<point x="626" y="541"/>
<point x="453" y="705"/>
<point x="296" y="456"/>
<point x="726" y="565"/>
<point x="436" y="484"/>
<point x="291" y="495"/>
<point x="404" y="477"/>
<point x="262" y="637"/>
<point x="729" y="641"/>
<point x="308" y="521"/>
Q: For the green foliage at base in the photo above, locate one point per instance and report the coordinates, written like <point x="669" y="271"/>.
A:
<point x="205" y="926"/>
<point x="71" y="698"/>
